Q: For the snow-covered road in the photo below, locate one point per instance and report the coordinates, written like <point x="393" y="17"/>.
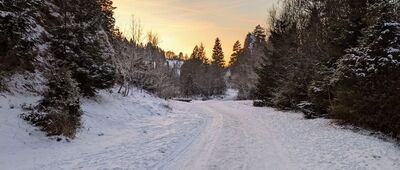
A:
<point x="235" y="138"/>
<point x="239" y="136"/>
<point x="141" y="132"/>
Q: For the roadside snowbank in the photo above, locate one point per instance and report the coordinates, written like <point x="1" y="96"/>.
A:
<point x="134" y="132"/>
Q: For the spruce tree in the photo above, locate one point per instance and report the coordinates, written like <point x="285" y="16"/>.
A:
<point x="259" y="33"/>
<point x="273" y="72"/>
<point x="217" y="71"/>
<point x="191" y="73"/>
<point x="218" y="54"/>
<point x="237" y="48"/>
<point x="77" y="40"/>
<point x="59" y="112"/>
<point x="107" y="18"/>
<point x="201" y="54"/>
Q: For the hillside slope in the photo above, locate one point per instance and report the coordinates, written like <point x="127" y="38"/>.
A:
<point x="134" y="132"/>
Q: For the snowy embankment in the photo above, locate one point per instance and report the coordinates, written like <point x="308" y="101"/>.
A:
<point x="134" y="132"/>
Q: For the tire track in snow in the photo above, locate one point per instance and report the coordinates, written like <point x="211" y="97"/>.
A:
<point x="234" y="139"/>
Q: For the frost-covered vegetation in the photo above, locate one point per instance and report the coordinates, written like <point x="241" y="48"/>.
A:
<point x="337" y="58"/>
<point x="77" y="48"/>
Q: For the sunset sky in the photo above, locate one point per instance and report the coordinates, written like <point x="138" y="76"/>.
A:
<point x="181" y="24"/>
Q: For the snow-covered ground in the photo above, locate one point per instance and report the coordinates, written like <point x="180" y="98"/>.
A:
<point x="134" y="132"/>
<point x="239" y="136"/>
<point x="143" y="132"/>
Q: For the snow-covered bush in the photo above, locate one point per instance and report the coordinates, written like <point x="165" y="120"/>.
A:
<point x="59" y="112"/>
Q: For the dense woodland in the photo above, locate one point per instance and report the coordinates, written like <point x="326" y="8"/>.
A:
<point x="339" y="59"/>
<point x="327" y="58"/>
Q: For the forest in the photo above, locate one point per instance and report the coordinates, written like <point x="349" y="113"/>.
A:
<point x="335" y="59"/>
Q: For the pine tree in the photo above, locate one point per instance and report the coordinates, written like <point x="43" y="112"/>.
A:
<point x="217" y="82"/>
<point x="76" y="40"/>
<point x="305" y="57"/>
<point x="237" y="48"/>
<point x="195" y="53"/>
<point x="192" y="73"/>
<point x="218" y="54"/>
<point x="181" y="57"/>
<point x="201" y="54"/>
<point x="243" y="73"/>
<point x="259" y="33"/>
<point x="59" y="112"/>
<point x="273" y="73"/>
<point x="107" y="18"/>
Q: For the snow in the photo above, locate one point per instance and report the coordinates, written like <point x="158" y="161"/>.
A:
<point x="231" y="94"/>
<point x="176" y="65"/>
<point x="392" y="24"/>
<point x="143" y="132"/>
<point x="239" y="136"/>
<point x="172" y="63"/>
<point x="134" y="132"/>
<point x="253" y="41"/>
<point x="393" y="50"/>
<point x="5" y="14"/>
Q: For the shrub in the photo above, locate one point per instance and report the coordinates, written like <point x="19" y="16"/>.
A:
<point x="58" y="113"/>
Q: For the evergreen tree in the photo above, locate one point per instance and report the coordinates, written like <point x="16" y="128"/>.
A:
<point x="107" y="15"/>
<point x="181" y="57"/>
<point x="274" y="69"/>
<point x="217" y="82"/>
<point x="201" y="54"/>
<point x="237" y="48"/>
<point x="306" y="54"/>
<point x="243" y="72"/>
<point x="59" y="112"/>
<point x="218" y="54"/>
<point x="259" y="33"/>
<point x="192" y="73"/>
<point x="76" y="40"/>
<point x="17" y="34"/>
<point x="198" y="77"/>
<point x="195" y="53"/>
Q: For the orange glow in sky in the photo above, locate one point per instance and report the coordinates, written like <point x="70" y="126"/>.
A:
<point x="182" y="24"/>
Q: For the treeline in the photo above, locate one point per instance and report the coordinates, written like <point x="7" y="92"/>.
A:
<point x="74" y="44"/>
<point x="201" y="77"/>
<point x="335" y="58"/>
